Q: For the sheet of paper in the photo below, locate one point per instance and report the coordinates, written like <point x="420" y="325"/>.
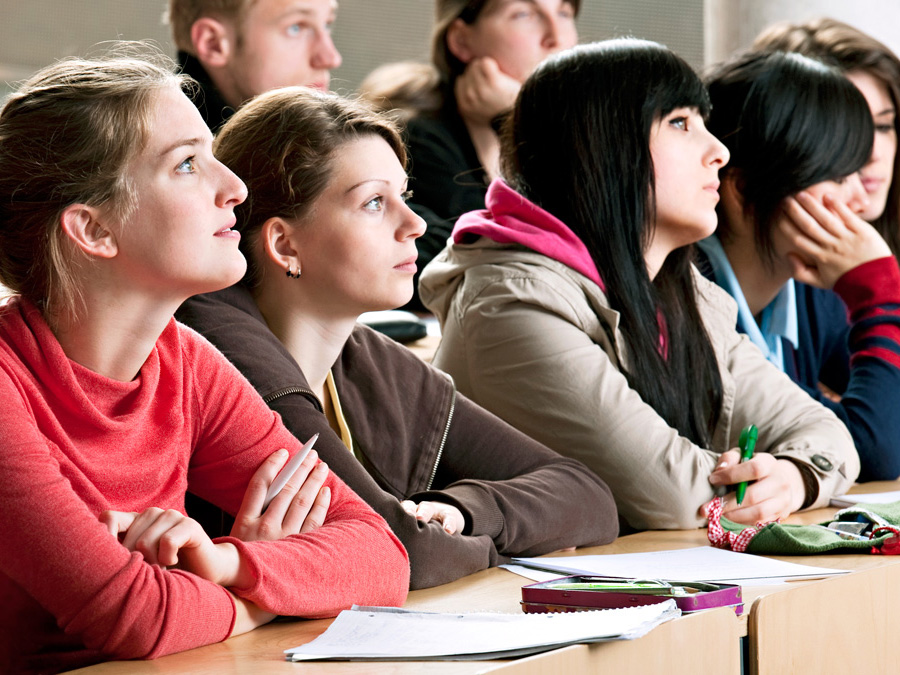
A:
<point x="395" y="634"/>
<point x="704" y="563"/>
<point x="531" y="573"/>
<point x="871" y="498"/>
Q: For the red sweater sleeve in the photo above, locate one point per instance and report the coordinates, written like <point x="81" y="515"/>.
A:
<point x="53" y="549"/>
<point x="871" y="292"/>
<point x="354" y="558"/>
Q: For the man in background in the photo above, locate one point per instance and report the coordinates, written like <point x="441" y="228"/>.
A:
<point x="237" y="49"/>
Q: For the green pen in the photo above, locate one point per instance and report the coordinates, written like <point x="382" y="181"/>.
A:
<point x="747" y="444"/>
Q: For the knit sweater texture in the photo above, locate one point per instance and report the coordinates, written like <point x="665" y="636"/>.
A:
<point x="78" y="443"/>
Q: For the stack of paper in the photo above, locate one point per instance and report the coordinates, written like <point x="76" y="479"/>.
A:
<point x="871" y="498"/>
<point x="388" y="634"/>
<point x="703" y="563"/>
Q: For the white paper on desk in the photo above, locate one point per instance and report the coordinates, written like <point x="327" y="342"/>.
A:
<point x="531" y="573"/>
<point x="703" y="563"/>
<point x="871" y="498"/>
<point x="385" y="633"/>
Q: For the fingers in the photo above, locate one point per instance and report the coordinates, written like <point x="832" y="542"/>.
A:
<point x="447" y="516"/>
<point x="425" y="511"/>
<point x="279" y="506"/>
<point x="815" y="219"/>
<point x="117" y="522"/>
<point x="873" y="245"/>
<point x="319" y="510"/>
<point x="483" y="90"/>
<point x="184" y="533"/>
<point x="755" y="509"/>
<point x="291" y="515"/>
<point x="255" y="494"/>
<point x="450" y="518"/>
<point x="726" y="459"/>
<point x="803" y="272"/>
<point x="735" y="471"/>
<point x="830" y="236"/>
<point x="141" y="522"/>
<point x="804" y="232"/>
<point x="851" y="220"/>
<point x="151" y="529"/>
<point x="777" y="490"/>
<point x="300" y="506"/>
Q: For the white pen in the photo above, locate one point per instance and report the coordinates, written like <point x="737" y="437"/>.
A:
<point x="849" y="536"/>
<point x="289" y="470"/>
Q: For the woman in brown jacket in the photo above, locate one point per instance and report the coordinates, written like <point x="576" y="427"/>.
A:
<point x="328" y="236"/>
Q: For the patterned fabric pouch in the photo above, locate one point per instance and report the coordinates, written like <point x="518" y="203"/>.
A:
<point x="871" y="529"/>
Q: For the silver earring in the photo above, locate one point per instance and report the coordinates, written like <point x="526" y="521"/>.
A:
<point x="292" y="275"/>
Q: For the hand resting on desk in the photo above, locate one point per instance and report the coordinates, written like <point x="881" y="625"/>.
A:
<point x="777" y="490"/>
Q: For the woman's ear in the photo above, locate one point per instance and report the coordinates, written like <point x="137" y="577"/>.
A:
<point x="84" y="226"/>
<point x="212" y="42"/>
<point x="459" y="39"/>
<point x="276" y="239"/>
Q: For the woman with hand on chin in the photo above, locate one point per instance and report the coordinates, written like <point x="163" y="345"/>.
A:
<point x="113" y="211"/>
<point x="329" y="235"/>
<point x="875" y="70"/>
<point x="482" y="51"/>
<point x="790" y="231"/>
<point x="570" y="307"/>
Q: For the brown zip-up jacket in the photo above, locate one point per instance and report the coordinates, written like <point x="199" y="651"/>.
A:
<point x="418" y="439"/>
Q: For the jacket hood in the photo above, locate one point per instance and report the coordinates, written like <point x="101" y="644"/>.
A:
<point x="512" y="219"/>
<point x="510" y="223"/>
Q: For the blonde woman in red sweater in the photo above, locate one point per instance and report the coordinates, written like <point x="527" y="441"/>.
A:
<point x="113" y="211"/>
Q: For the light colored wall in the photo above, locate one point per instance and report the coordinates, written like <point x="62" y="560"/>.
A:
<point x="731" y="25"/>
<point x="33" y="33"/>
<point x="370" y="32"/>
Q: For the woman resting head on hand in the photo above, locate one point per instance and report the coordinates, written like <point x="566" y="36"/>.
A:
<point x="113" y="211"/>
<point x="875" y="70"/>
<point x="791" y="228"/>
<point x="571" y="308"/>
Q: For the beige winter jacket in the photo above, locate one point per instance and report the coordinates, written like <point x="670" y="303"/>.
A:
<point x="537" y="343"/>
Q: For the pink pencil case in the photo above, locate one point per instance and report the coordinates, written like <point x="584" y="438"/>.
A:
<point x="578" y="593"/>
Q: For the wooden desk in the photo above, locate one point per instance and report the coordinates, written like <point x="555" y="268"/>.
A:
<point x="260" y="651"/>
<point x="841" y="625"/>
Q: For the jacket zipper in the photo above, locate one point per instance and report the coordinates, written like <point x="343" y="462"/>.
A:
<point x="440" y="451"/>
<point x="268" y="398"/>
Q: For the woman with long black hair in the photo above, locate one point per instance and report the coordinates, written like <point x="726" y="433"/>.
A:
<point x="570" y="307"/>
<point x="792" y="228"/>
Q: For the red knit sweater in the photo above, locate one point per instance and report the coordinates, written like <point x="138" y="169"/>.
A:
<point x="76" y="443"/>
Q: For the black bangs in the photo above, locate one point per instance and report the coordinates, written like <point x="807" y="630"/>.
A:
<point x="678" y="87"/>
<point x="789" y="122"/>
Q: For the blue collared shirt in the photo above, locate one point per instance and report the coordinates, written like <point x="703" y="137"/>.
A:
<point x="779" y="318"/>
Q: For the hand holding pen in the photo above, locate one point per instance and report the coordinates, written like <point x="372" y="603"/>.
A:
<point x="767" y="488"/>
<point x="284" y="496"/>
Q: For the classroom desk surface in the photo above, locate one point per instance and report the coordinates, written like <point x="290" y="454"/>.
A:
<point x="777" y="619"/>
<point x="261" y="651"/>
